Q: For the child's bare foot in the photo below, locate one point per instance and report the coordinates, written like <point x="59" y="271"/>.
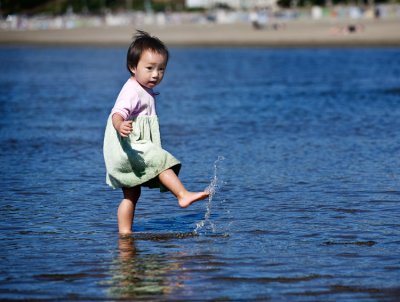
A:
<point x="191" y="197"/>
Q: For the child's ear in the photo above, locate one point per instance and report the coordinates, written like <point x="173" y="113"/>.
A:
<point x="132" y="69"/>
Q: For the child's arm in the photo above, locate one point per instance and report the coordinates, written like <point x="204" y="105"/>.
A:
<point x="123" y="127"/>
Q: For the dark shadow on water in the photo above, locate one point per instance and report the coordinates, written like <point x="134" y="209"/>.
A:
<point x="163" y="236"/>
<point x="394" y="91"/>
<point x="172" y="235"/>
<point x="361" y="243"/>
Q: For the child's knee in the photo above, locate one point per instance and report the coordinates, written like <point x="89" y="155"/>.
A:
<point x="132" y="194"/>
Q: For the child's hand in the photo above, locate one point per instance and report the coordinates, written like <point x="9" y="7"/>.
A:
<point x="125" y="128"/>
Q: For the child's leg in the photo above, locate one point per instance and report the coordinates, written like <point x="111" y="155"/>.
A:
<point x="126" y="209"/>
<point x="185" y="198"/>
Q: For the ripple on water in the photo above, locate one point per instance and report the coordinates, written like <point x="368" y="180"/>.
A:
<point x="303" y="207"/>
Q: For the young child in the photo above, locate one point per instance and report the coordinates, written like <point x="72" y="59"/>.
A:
<point x="132" y="146"/>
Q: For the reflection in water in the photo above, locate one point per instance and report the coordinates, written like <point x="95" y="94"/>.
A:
<point x="137" y="274"/>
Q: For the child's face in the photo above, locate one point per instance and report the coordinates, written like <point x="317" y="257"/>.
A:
<point x="150" y="69"/>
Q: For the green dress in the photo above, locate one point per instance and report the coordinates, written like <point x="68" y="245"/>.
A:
<point x="138" y="159"/>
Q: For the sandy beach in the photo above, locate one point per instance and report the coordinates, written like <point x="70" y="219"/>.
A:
<point x="295" y="33"/>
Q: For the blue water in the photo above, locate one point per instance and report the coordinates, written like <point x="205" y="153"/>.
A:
<point x="300" y="146"/>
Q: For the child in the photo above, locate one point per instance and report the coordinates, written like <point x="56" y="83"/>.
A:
<point x="132" y="146"/>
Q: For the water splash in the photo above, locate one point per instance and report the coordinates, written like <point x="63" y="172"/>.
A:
<point x="206" y="224"/>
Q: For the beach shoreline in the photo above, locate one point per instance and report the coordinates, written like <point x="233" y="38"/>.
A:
<point x="293" y="33"/>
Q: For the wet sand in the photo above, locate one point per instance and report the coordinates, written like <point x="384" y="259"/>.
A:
<point x="296" y="33"/>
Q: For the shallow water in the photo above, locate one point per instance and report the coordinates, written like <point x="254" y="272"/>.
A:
<point x="300" y="146"/>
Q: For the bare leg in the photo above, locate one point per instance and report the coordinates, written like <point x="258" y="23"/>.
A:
<point x="185" y="198"/>
<point x="126" y="210"/>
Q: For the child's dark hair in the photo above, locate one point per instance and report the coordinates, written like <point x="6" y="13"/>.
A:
<point x="142" y="41"/>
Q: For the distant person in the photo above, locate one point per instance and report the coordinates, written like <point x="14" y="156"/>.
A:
<point x="255" y="20"/>
<point x="377" y="12"/>
<point x="132" y="146"/>
<point x="259" y="18"/>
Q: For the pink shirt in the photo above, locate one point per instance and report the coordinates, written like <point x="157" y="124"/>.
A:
<point x="134" y="100"/>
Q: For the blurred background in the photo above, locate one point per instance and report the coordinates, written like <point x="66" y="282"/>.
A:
<point x="63" y="13"/>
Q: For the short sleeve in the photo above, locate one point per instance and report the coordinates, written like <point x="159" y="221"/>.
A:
<point x="127" y="102"/>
